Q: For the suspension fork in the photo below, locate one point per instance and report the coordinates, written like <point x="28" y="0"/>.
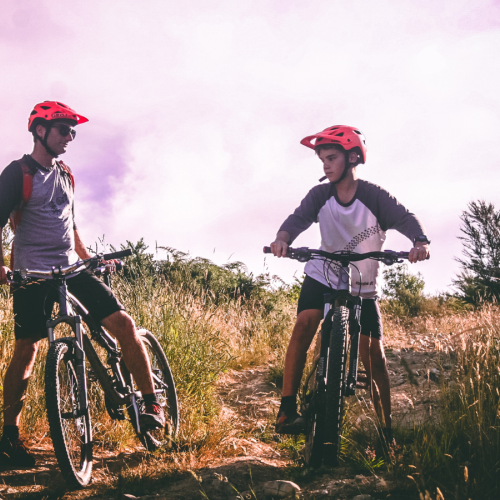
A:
<point x="354" y="329"/>
<point x="76" y="325"/>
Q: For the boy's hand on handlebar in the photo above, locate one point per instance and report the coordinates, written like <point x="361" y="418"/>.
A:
<point x="419" y="252"/>
<point x="279" y="248"/>
<point x="3" y="274"/>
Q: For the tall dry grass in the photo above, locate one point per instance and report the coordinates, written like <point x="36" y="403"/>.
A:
<point x="456" y="454"/>
<point x="201" y="337"/>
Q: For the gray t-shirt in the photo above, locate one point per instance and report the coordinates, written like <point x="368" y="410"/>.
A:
<point x="45" y="236"/>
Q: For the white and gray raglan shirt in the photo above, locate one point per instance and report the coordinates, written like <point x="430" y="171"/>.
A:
<point x="358" y="226"/>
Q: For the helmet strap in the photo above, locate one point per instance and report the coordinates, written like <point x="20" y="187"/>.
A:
<point x="43" y="140"/>
<point x="346" y="168"/>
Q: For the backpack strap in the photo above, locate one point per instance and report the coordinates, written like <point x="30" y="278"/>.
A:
<point x="68" y="171"/>
<point x="15" y="216"/>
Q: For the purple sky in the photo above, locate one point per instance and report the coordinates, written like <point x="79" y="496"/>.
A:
<point x="197" y="108"/>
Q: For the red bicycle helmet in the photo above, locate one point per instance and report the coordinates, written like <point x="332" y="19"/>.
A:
<point x="53" y="110"/>
<point x="345" y="136"/>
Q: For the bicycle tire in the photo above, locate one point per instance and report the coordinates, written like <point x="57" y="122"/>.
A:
<point x="315" y="435"/>
<point x="167" y="398"/>
<point x="71" y="435"/>
<point x="335" y="385"/>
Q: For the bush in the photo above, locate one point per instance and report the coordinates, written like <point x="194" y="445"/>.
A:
<point x="403" y="291"/>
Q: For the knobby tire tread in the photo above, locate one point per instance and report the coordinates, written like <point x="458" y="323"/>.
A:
<point x="75" y="478"/>
<point x="315" y="435"/>
<point x="335" y="387"/>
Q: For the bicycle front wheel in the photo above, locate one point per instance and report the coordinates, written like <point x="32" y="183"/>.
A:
<point x="69" y="424"/>
<point x="315" y="411"/>
<point x="335" y="385"/>
<point x="166" y="395"/>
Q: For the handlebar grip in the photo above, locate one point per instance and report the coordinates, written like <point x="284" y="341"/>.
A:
<point x="117" y="255"/>
<point x="267" y="250"/>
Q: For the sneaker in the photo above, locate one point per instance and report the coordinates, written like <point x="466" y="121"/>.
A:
<point x="152" y="417"/>
<point x="15" y="454"/>
<point x="290" y="423"/>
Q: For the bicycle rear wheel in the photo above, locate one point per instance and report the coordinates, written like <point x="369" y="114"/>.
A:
<point x="70" y="429"/>
<point x="165" y="393"/>
<point x="335" y="385"/>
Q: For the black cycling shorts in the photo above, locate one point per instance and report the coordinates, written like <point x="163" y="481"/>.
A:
<point x="33" y="303"/>
<point x="311" y="297"/>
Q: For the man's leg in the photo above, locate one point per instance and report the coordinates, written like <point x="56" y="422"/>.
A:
<point x="16" y="379"/>
<point x="122" y="326"/>
<point x="12" y="451"/>
<point x="373" y="357"/>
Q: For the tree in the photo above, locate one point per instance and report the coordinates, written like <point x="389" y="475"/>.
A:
<point x="479" y="278"/>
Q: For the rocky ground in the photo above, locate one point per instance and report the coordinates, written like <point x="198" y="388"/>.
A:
<point x="255" y="465"/>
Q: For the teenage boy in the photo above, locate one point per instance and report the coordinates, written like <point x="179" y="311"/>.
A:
<point x="37" y="192"/>
<point x="353" y="215"/>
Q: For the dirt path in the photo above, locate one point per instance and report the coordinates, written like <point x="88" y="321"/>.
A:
<point x="252" y="454"/>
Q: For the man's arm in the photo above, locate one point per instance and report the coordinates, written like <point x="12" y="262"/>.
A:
<point x="80" y="248"/>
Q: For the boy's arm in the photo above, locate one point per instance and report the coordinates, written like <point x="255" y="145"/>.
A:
<point x="393" y="215"/>
<point x="301" y="219"/>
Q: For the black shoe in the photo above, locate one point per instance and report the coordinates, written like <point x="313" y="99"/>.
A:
<point x="15" y="454"/>
<point x="152" y="417"/>
<point x="290" y="423"/>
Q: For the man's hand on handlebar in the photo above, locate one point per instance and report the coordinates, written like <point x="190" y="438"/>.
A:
<point x="419" y="252"/>
<point x="3" y="274"/>
<point x="110" y="265"/>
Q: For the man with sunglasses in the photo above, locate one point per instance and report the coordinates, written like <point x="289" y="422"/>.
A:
<point x="37" y="193"/>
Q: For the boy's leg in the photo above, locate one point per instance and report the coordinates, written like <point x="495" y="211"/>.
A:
<point x="305" y="328"/>
<point x="372" y="355"/>
<point x="289" y="421"/>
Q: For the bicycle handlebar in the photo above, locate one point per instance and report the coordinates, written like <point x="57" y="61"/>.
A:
<point x="304" y="254"/>
<point x="19" y="275"/>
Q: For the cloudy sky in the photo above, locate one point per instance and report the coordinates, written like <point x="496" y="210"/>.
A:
<point x="197" y="108"/>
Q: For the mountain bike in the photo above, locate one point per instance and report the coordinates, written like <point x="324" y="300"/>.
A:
<point x="335" y="371"/>
<point x="72" y="361"/>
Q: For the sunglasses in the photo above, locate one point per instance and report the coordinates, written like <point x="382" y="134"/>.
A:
<point x="64" y="130"/>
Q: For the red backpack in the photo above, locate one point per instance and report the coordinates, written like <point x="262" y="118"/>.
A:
<point x="15" y="216"/>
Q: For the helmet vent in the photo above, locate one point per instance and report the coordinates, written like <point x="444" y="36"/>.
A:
<point x="34" y="112"/>
<point x="45" y="107"/>
<point x="340" y="134"/>
<point x="357" y="132"/>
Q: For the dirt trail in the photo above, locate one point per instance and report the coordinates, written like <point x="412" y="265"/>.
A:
<point x="251" y="453"/>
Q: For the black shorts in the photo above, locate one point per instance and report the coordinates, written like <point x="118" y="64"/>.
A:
<point x="33" y="303"/>
<point x="311" y="297"/>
